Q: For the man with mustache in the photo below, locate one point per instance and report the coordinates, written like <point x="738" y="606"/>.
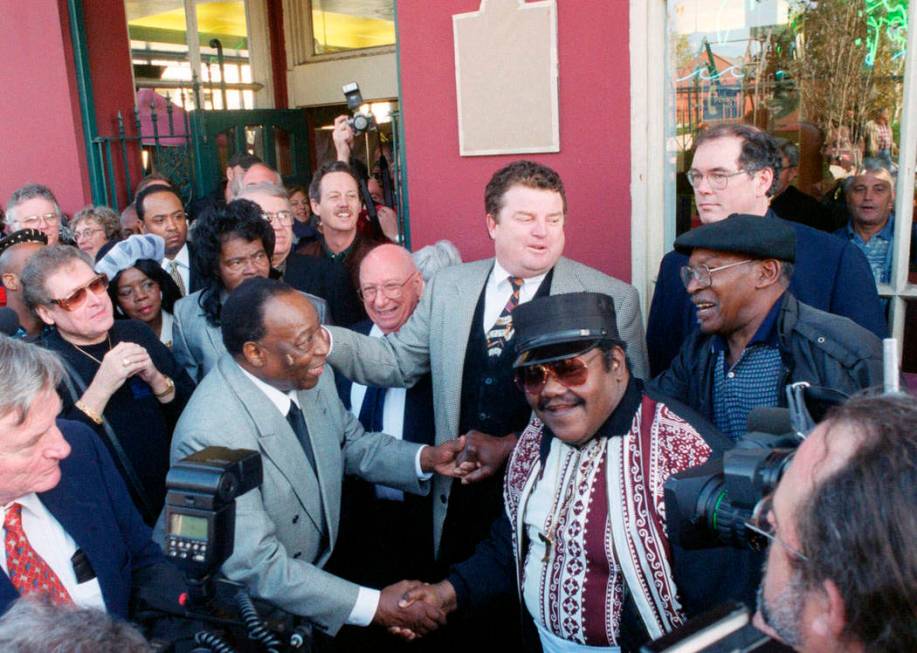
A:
<point x="754" y="337"/>
<point x="582" y="522"/>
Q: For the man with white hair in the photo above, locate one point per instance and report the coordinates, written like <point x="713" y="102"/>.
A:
<point x="34" y="206"/>
<point x="71" y="532"/>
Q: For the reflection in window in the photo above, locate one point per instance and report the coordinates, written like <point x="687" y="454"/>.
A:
<point x="344" y="25"/>
<point x="827" y="76"/>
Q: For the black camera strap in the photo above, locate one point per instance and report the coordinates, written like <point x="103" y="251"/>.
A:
<point x="71" y="377"/>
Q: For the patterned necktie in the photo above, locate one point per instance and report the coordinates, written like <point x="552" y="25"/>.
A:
<point x="28" y="571"/>
<point x="176" y="276"/>
<point x="502" y="330"/>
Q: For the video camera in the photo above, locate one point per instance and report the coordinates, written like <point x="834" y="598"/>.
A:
<point x="709" y="505"/>
<point x="359" y="122"/>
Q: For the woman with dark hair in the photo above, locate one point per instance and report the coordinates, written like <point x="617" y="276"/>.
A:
<point x="232" y="244"/>
<point x="139" y="288"/>
<point x="121" y="380"/>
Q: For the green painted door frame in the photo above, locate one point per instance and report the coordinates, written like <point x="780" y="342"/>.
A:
<point x="220" y="134"/>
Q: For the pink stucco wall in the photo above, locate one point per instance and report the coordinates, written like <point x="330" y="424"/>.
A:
<point x="41" y="137"/>
<point x="446" y="190"/>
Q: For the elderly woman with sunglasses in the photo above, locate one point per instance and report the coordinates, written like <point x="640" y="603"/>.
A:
<point x="121" y="380"/>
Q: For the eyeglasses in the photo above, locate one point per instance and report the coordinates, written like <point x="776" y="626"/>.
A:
<point x="98" y="285"/>
<point x="717" y="180"/>
<point x="138" y="290"/>
<point x="764" y="524"/>
<point x="32" y="221"/>
<point x="238" y="264"/>
<point x="391" y="290"/>
<point x="704" y="275"/>
<point x="284" y="218"/>
<point x="86" y="233"/>
<point x="178" y="216"/>
<point x="569" y="372"/>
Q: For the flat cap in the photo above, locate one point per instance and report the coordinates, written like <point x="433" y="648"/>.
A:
<point x="752" y="235"/>
<point x="545" y="325"/>
<point x="22" y="236"/>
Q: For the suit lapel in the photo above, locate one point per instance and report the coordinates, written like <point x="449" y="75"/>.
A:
<point x="564" y="279"/>
<point x="276" y="438"/>
<point x="459" y="314"/>
<point x="327" y="453"/>
<point x="65" y="502"/>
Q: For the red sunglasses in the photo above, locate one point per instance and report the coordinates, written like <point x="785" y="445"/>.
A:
<point x="98" y="285"/>
<point x="569" y="372"/>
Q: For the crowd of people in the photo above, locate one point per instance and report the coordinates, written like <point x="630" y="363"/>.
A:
<point x="454" y="452"/>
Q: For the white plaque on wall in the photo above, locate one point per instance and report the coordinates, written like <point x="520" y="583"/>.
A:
<point x="506" y="78"/>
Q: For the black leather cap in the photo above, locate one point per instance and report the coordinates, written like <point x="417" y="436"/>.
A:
<point x="752" y="235"/>
<point x="560" y="326"/>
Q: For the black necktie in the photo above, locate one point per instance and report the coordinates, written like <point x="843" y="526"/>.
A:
<point x="372" y="408"/>
<point x="298" y="422"/>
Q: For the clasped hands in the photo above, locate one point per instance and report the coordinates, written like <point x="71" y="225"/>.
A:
<point x="471" y="457"/>
<point x="411" y="609"/>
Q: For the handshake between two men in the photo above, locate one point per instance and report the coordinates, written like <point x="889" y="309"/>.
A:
<point x="411" y="608"/>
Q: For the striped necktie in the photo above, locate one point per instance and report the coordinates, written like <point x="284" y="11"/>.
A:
<point x="502" y="330"/>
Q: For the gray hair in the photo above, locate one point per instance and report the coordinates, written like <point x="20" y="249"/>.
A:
<point x="42" y="265"/>
<point x="32" y="626"/>
<point x="29" y="192"/>
<point x="263" y="188"/>
<point x="433" y="258"/>
<point x="107" y="218"/>
<point x="25" y="371"/>
<point x="237" y="180"/>
<point x="873" y="166"/>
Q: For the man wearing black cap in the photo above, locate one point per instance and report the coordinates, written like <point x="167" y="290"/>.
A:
<point x="754" y="336"/>
<point x="15" y="251"/>
<point x="734" y="170"/>
<point x="582" y="519"/>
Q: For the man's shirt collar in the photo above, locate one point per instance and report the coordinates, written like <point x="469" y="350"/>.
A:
<point x="183" y="258"/>
<point x="886" y="233"/>
<point x="280" y="399"/>
<point x="501" y="276"/>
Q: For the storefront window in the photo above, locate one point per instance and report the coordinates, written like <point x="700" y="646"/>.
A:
<point x="341" y="26"/>
<point x="827" y="77"/>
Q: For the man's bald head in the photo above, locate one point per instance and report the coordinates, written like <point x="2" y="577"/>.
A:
<point x="13" y="259"/>
<point x="390" y="286"/>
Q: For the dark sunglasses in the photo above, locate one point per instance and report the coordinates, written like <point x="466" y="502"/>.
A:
<point x="569" y="372"/>
<point x="98" y="285"/>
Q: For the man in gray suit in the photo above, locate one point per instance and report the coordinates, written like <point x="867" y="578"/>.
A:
<point x="271" y="393"/>
<point x="461" y="332"/>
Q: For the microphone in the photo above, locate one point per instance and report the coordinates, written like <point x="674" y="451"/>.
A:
<point x="766" y="419"/>
<point x="9" y="321"/>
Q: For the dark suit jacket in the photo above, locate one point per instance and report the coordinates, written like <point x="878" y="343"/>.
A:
<point x="197" y="278"/>
<point x="830" y="275"/>
<point x="93" y="506"/>
<point x="413" y="538"/>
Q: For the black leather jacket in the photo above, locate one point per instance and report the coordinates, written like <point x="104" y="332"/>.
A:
<point x="818" y="347"/>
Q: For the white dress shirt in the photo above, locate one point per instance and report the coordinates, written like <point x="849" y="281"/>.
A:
<point x="165" y="333"/>
<point x="56" y="547"/>
<point x="364" y="609"/>
<point x="499" y="290"/>
<point x="183" y="259"/>
<point x="392" y="418"/>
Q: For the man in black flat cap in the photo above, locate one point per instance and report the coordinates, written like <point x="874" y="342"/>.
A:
<point x="754" y="336"/>
<point x="582" y="516"/>
<point x="15" y="251"/>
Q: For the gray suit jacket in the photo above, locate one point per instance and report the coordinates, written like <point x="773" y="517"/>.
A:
<point x="435" y="339"/>
<point x="282" y="539"/>
<point x="197" y="344"/>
